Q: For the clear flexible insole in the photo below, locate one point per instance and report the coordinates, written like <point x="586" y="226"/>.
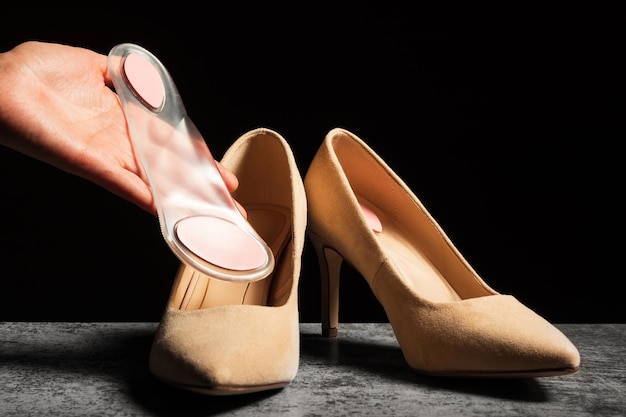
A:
<point x="198" y="217"/>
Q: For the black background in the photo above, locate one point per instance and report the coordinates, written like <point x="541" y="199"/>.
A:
<point x="506" y="123"/>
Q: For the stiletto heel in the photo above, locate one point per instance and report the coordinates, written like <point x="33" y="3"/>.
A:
<point x="446" y="319"/>
<point x="330" y="267"/>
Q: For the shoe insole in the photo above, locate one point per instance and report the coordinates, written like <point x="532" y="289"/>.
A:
<point x="198" y="217"/>
<point x="196" y="290"/>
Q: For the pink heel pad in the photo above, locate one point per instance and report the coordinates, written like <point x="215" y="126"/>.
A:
<point x="144" y="80"/>
<point x="371" y="218"/>
<point x="221" y="243"/>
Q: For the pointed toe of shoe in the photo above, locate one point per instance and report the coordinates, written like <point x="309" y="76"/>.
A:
<point x="493" y="336"/>
<point x="229" y="350"/>
<point x="526" y="344"/>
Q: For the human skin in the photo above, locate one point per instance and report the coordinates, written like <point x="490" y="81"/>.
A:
<point x="57" y="105"/>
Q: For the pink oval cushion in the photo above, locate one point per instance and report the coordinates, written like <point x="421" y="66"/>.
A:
<point x="144" y="80"/>
<point x="221" y="243"/>
<point x="371" y="218"/>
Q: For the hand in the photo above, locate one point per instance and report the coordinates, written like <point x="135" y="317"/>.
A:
<point x="57" y="105"/>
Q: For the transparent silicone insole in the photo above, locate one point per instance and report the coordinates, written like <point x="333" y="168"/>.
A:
<point x="199" y="219"/>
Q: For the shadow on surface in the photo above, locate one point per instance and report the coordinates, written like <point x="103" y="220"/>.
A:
<point x="382" y="360"/>
<point x="116" y="360"/>
<point x="112" y="362"/>
<point x="166" y="401"/>
<point x="160" y="399"/>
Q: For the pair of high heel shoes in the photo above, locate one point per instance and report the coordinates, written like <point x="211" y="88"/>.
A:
<point x="223" y="338"/>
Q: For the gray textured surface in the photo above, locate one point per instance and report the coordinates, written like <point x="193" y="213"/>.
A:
<point x="100" y="369"/>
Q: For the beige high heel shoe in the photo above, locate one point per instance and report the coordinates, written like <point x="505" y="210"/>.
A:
<point x="224" y="338"/>
<point x="447" y="320"/>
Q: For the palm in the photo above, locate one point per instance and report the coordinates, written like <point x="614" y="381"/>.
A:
<point x="56" y="105"/>
<point x="76" y="122"/>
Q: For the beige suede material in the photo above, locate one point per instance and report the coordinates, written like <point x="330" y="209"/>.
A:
<point x="243" y="347"/>
<point x="493" y="333"/>
<point x="446" y="318"/>
<point x="334" y="216"/>
<point x="229" y="346"/>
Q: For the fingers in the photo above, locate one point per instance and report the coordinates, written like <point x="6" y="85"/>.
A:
<point x="231" y="180"/>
